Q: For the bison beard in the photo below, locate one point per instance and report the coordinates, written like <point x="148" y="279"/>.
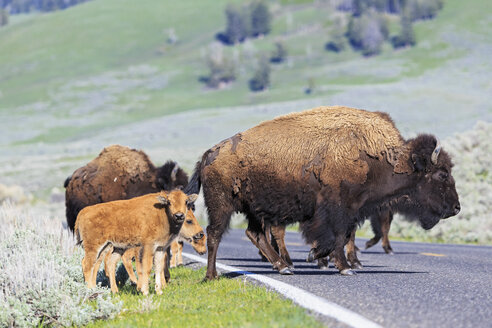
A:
<point x="329" y="168"/>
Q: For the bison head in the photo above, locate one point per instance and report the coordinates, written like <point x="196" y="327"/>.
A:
<point x="170" y="176"/>
<point x="434" y="196"/>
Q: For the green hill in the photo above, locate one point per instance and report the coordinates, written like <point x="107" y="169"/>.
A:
<point x="107" y="63"/>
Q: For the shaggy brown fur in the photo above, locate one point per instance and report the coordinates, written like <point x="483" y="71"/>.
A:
<point x="191" y="232"/>
<point x="118" y="172"/>
<point x="330" y="168"/>
<point x="151" y="222"/>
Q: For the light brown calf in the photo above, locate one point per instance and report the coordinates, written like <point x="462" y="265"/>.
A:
<point x="151" y="222"/>
<point x="191" y="232"/>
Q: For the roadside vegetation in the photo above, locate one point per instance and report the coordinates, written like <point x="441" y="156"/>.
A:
<point x="41" y="284"/>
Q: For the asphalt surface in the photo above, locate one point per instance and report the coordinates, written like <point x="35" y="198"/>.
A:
<point x="421" y="285"/>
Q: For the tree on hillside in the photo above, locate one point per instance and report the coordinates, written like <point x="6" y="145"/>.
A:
<point x="279" y="54"/>
<point x="261" y="79"/>
<point x="222" y="70"/>
<point x="49" y="5"/>
<point x="407" y="36"/>
<point x="336" y="42"/>
<point x="251" y="19"/>
<point x="4" y="17"/>
<point x="260" y="18"/>
<point x="423" y="9"/>
<point x="238" y="23"/>
<point x="367" y="32"/>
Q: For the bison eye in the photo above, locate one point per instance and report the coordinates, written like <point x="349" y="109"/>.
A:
<point x="443" y="176"/>
<point x="189" y="221"/>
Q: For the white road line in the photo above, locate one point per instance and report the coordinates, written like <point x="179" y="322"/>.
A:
<point x="301" y="297"/>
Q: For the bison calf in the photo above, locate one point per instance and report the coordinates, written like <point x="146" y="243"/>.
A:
<point x="151" y="222"/>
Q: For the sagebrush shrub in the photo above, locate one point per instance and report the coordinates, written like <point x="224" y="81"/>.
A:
<point x="41" y="279"/>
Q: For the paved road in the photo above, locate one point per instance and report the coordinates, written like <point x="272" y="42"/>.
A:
<point x="422" y="285"/>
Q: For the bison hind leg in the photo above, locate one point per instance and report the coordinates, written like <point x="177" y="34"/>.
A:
<point x="256" y="234"/>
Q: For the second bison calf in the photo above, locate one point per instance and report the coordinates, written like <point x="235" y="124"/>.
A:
<point x="151" y="222"/>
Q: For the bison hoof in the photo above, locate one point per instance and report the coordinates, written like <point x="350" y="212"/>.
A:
<point x="324" y="267"/>
<point x="348" y="272"/>
<point x="357" y="266"/>
<point x="286" y="271"/>
<point x="310" y="257"/>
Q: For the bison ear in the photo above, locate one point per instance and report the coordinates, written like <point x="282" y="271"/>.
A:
<point x="163" y="200"/>
<point x="191" y="199"/>
<point x="418" y="162"/>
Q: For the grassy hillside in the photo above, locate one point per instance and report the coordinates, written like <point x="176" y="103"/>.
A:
<point x="107" y="63"/>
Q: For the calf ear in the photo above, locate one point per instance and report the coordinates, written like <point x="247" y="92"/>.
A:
<point x="163" y="200"/>
<point x="191" y="199"/>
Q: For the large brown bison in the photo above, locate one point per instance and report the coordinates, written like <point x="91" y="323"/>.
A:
<point x="328" y="167"/>
<point x="118" y="172"/>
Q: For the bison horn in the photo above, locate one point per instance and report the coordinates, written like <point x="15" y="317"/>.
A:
<point x="436" y="152"/>
<point x="174" y="172"/>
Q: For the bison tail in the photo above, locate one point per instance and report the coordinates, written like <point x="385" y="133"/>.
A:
<point x="77" y="236"/>
<point x="195" y="183"/>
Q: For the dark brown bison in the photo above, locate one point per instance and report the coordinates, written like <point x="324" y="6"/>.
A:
<point x="118" y="173"/>
<point x="330" y="168"/>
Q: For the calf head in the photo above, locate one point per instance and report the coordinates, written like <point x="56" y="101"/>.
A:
<point x="177" y="205"/>
<point x="191" y="230"/>
<point x="434" y="196"/>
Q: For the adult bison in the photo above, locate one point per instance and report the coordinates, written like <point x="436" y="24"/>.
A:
<point x="118" y="173"/>
<point x="328" y="167"/>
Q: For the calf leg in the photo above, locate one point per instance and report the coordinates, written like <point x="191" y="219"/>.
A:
<point x="257" y="236"/>
<point x="167" y="257"/>
<point x="114" y="257"/>
<point x="146" y="266"/>
<point x="177" y="254"/>
<point x="88" y="264"/>
<point x="102" y="254"/>
<point x="127" y="258"/>
<point x="278" y="233"/>
<point x="159" y="262"/>
<point x="385" y="228"/>
<point x="352" y="251"/>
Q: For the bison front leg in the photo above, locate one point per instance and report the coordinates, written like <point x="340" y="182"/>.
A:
<point x="352" y="251"/>
<point x="218" y="218"/>
<point x="338" y="256"/>
<point x="385" y="228"/>
<point x="278" y="233"/>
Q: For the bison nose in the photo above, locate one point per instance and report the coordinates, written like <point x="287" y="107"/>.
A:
<point x="457" y="209"/>
<point x="179" y="216"/>
<point x="198" y="236"/>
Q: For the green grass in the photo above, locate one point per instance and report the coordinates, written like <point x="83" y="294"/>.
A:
<point x="187" y="301"/>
